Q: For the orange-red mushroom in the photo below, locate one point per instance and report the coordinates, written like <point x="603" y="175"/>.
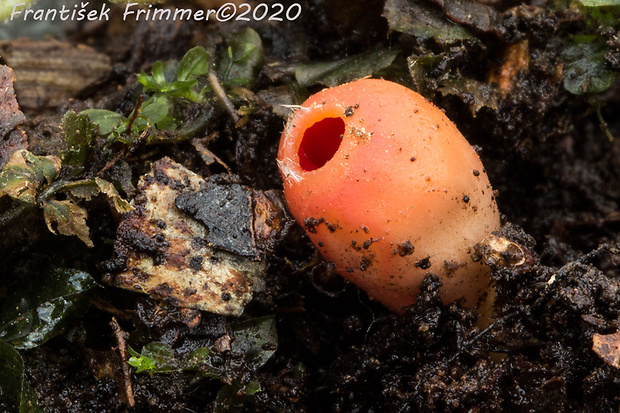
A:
<point x="388" y="190"/>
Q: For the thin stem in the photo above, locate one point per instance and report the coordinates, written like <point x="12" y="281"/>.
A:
<point x="222" y="96"/>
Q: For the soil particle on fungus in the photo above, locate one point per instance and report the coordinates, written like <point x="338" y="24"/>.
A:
<point x="404" y="248"/>
<point x="424" y="263"/>
<point x="350" y="110"/>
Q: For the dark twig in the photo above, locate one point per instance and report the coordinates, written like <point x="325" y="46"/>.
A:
<point x="121" y="336"/>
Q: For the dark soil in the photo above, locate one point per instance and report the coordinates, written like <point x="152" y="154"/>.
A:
<point x="557" y="178"/>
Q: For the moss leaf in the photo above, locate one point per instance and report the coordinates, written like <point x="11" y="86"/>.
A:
<point x="80" y="133"/>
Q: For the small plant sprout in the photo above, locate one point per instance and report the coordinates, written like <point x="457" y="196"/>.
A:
<point x="388" y="190"/>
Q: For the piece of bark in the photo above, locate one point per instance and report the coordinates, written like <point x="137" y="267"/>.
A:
<point x="49" y="72"/>
<point x="12" y="138"/>
<point x="181" y="259"/>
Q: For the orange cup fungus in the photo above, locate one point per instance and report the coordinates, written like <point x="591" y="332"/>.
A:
<point x="388" y="190"/>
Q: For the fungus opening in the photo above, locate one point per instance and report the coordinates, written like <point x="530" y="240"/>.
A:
<point x="320" y="143"/>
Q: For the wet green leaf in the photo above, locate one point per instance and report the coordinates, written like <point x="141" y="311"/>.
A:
<point x="16" y="395"/>
<point x="25" y="174"/>
<point x="195" y="63"/>
<point x="239" y="63"/>
<point x="157" y="79"/>
<point x="584" y="66"/>
<point x="256" y="339"/>
<point x="186" y="74"/>
<point x="68" y="218"/>
<point x="32" y="316"/>
<point x="423" y="21"/>
<point x="107" y="120"/>
<point x="80" y="133"/>
<point x="345" y="70"/>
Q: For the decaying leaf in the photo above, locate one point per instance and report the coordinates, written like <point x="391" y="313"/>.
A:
<point x="25" y="173"/>
<point x="345" y="70"/>
<point x="88" y="188"/>
<point x="472" y="14"/>
<point x="172" y="255"/>
<point x="607" y="347"/>
<point x="424" y="21"/>
<point x="68" y="218"/>
<point x="256" y="339"/>
<point x="11" y="137"/>
<point x="474" y="93"/>
<point x="10" y="115"/>
<point x="50" y="72"/>
<point x="120" y="205"/>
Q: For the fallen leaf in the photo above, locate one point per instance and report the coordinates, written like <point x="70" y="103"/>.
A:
<point x="68" y="218"/>
<point x="24" y="175"/>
